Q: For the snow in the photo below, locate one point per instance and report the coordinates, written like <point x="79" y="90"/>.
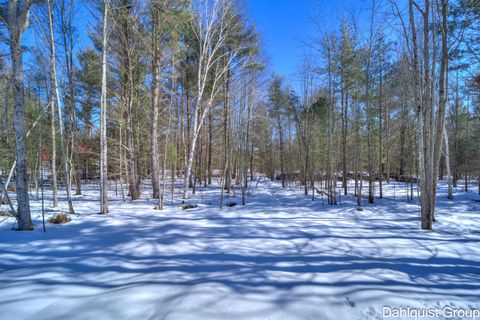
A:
<point x="282" y="256"/>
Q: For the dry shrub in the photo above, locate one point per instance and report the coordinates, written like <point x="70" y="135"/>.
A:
<point x="60" y="218"/>
<point x="188" y="206"/>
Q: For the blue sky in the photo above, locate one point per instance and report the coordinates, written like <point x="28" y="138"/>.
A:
<point x="282" y="23"/>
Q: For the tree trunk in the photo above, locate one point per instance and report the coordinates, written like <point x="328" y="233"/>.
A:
<point x="420" y="122"/>
<point x="55" y="91"/>
<point x="380" y="125"/>
<point x="103" y="117"/>
<point x="5" y="107"/>
<point x="17" y="23"/>
<point x="156" y="97"/>
<point x="344" y="141"/>
<point x="403" y="120"/>
<point x="53" y="160"/>
<point x="226" y="144"/>
<point x="443" y="94"/>
<point x="66" y="25"/>
<point x="132" y="175"/>
<point x="331" y="129"/>
<point x="282" y="166"/>
<point x="210" y="146"/>
<point x="447" y="163"/>
<point x="369" y="112"/>
<point x="188" y="169"/>
<point x="156" y="59"/>
<point x="358" y="158"/>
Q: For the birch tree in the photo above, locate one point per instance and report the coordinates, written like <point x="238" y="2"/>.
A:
<point x="212" y="24"/>
<point x="17" y="19"/>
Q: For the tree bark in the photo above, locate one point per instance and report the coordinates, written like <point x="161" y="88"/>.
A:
<point x="443" y="93"/>
<point x="447" y="163"/>
<point x="210" y="146"/>
<point x="55" y="91"/>
<point x="156" y="59"/>
<point x="53" y="160"/>
<point x="17" y="23"/>
<point x="103" y="116"/>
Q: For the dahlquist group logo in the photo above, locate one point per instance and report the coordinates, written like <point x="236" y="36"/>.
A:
<point x="389" y="312"/>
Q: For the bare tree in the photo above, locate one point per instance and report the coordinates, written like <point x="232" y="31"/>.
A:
<point x="213" y="22"/>
<point x="368" y="108"/>
<point x="56" y="93"/>
<point x="17" y="22"/>
<point x="443" y="93"/>
<point x="431" y="121"/>
<point x="155" y="12"/>
<point x="103" y="115"/>
<point x="53" y="156"/>
<point x="66" y="11"/>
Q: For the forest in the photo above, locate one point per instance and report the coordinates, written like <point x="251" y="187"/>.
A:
<point x="124" y="116"/>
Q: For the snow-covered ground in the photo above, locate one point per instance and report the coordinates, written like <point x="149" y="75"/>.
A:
<point x="282" y="256"/>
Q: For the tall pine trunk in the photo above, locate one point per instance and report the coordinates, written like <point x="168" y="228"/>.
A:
<point x="53" y="160"/>
<point x="103" y="116"/>
<point x="55" y="91"/>
<point x="155" y="91"/>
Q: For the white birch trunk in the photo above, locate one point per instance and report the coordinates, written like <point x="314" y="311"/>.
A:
<point x="17" y="23"/>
